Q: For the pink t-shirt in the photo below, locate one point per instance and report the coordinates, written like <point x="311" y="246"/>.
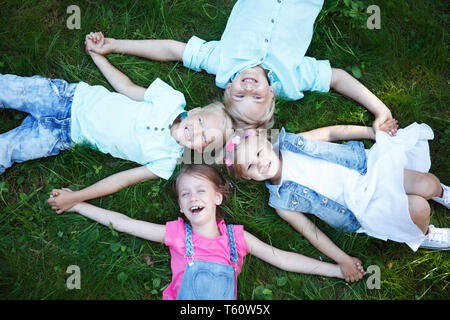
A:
<point x="209" y="249"/>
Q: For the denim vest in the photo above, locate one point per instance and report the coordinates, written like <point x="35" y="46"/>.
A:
<point x="292" y="196"/>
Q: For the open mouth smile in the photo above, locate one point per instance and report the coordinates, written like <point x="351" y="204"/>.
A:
<point x="195" y="210"/>
<point x="249" y="80"/>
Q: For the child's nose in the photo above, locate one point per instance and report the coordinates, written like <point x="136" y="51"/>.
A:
<point x="247" y="86"/>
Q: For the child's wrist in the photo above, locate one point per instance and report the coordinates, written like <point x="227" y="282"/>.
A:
<point x="372" y="133"/>
<point x="115" y="45"/>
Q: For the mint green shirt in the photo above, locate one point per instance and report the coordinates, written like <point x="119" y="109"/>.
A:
<point x="273" y="33"/>
<point x="132" y="130"/>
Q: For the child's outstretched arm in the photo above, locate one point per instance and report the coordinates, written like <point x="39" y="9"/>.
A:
<point x="120" y="222"/>
<point x="349" y="132"/>
<point x="159" y="50"/>
<point x="350" y="266"/>
<point x="64" y="200"/>
<point x="290" y="261"/>
<point x="119" y="81"/>
<point x="344" y="83"/>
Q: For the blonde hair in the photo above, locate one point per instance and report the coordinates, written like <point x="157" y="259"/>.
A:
<point x="242" y="122"/>
<point x="227" y="122"/>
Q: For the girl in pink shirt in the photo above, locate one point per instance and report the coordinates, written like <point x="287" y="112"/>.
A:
<point x="206" y="255"/>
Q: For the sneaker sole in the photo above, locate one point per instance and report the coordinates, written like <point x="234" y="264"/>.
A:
<point x="434" y="248"/>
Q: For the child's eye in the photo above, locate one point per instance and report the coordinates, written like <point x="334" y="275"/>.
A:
<point x="257" y="97"/>
<point x="184" y="194"/>
<point x="240" y="96"/>
<point x="258" y="153"/>
<point x="249" y="166"/>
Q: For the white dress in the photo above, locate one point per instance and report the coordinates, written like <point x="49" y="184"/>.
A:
<point x="378" y="198"/>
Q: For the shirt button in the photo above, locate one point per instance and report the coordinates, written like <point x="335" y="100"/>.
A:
<point x="148" y="128"/>
<point x="261" y="59"/>
<point x="324" y="200"/>
<point x="342" y="210"/>
<point x="272" y="20"/>
<point x="305" y="191"/>
<point x="300" y="142"/>
<point x="286" y="184"/>
<point x="294" y="202"/>
<point x="156" y="129"/>
<point x="266" y="40"/>
<point x="279" y="1"/>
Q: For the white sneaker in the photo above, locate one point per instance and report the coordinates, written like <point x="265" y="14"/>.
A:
<point x="445" y="200"/>
<point x="437" y="239"/>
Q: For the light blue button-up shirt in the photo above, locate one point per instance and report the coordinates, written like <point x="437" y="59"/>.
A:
<point x="273" y="33"/>
<point x="133" y="130"/>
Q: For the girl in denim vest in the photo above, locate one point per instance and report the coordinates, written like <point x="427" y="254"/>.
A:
<point x="207" y="254"/>
<point x="382" y="191"/>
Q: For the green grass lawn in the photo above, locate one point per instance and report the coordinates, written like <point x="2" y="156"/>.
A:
<point x="405" y="63"/>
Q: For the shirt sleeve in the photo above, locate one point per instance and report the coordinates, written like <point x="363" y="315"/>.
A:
<point x="163" y="167"/>
<point x="159" y="90"/>
<point x="315" y="75"/>
<point x="173" y="231"/>
<point x="201" y="55"/>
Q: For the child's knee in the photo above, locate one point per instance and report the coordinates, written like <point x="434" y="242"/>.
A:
<point x="431" y="186"/>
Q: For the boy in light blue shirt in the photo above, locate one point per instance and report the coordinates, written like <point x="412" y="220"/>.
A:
<point x="260" y="55"/>
<point x="145" y="125"/>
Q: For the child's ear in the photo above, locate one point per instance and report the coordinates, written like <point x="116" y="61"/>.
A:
<point x="219" y="198"/>
<point x="197" y="109"/>
<point x="227" y="88"/>
<point x="272" y="91"/>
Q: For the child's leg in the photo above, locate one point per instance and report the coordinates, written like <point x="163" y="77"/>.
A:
<point x="33" y="139"/>
<point x="419" y="210"/>
<point x="38" y="96"/>
<point x="425" y="185"/>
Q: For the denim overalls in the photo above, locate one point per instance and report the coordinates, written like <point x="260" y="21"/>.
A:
<point x="289" y="195"/>
<point x="206" y="280"/>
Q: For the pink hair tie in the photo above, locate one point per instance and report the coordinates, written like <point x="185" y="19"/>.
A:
<point x="234" y="142"/>
<point x="251" y="133"/>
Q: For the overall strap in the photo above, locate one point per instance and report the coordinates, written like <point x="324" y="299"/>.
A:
<point x="190" y="246"/>
<point x="188" y="240"/>
<point x="233" y="252"/>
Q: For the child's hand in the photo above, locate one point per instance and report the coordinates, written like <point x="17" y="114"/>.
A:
<point x="61" y="200"/>
<point x="389" y="126"/>
<point x="352" y="269"/>
<point x="382" y="119"/>
<point x="97" y="43"/>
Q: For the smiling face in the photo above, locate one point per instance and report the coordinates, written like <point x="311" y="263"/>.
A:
<point x="257" y="159"/>
<point x="199" y="129"/>
<point x="198" y="199"/>
<point x="251" y="93"/>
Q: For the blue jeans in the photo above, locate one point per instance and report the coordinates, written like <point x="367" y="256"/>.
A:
<point x="46" y="130"/>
